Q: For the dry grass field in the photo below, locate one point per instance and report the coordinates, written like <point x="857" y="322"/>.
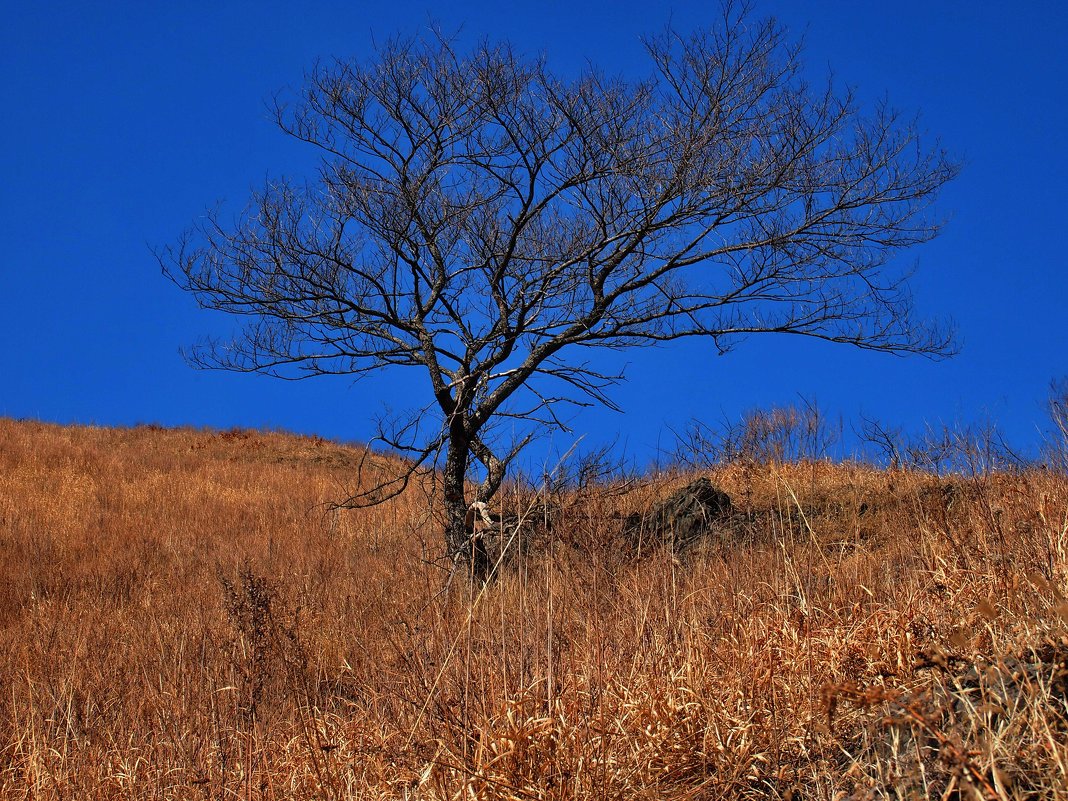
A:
<point x="181" y="617"/>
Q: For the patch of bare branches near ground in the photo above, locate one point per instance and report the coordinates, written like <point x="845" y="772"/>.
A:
<point x="180" y="617"/>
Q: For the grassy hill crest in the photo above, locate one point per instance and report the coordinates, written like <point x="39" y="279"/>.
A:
<point x="182" y="616"/>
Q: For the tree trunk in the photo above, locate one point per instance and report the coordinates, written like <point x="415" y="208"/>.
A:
<point x="460" y="546"/>
<point x="455" y="502"/>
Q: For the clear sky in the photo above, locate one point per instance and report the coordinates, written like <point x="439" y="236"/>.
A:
<point x="125" y="121"/>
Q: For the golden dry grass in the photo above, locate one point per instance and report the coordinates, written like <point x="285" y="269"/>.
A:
<point x="180" y="617"/>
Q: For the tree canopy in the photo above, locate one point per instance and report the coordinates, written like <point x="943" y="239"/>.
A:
<point x="492" y="223"/>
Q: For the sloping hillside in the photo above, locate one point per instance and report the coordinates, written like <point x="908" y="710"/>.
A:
<point x="181" y="616"/>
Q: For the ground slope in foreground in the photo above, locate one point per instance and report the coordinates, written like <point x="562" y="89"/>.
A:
<point x="181" y="616"/>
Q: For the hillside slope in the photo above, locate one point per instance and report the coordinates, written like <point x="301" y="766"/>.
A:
<point x="181" y="616"/>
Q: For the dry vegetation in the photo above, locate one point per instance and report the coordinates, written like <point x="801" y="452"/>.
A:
<point x="181" y="617"/>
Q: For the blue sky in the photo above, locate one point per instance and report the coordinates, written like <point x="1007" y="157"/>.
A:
<point x="125" y="121"/>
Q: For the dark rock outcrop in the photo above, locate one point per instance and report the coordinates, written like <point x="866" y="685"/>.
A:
<point x="683" y="519"/>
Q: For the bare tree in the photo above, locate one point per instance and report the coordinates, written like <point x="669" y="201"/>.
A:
<point x="490" y="222"/>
